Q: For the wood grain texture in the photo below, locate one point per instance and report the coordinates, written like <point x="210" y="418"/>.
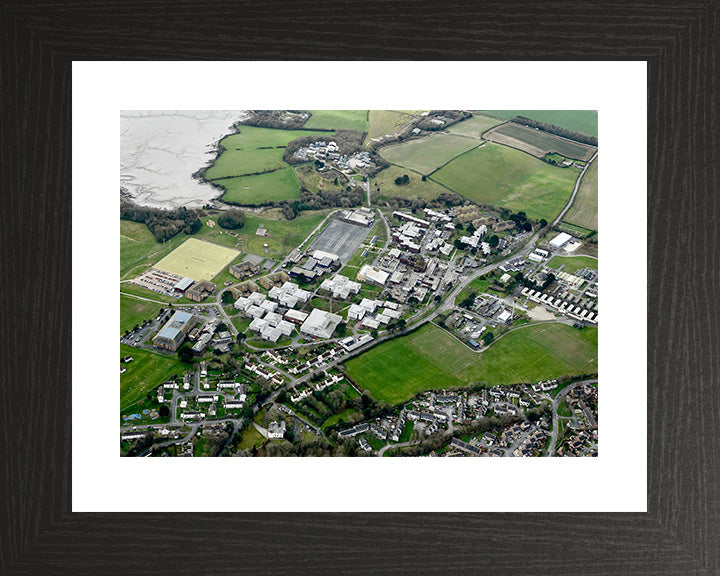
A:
<point x="680" y="534"/>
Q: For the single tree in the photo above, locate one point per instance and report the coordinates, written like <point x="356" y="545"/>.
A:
<point x="227" y="297"/>
<point x="185" y="354"/>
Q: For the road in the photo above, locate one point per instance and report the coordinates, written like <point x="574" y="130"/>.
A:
<point x="555" y="405"/>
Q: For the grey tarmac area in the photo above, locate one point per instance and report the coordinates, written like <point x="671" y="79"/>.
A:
<point x="341" y="238"/>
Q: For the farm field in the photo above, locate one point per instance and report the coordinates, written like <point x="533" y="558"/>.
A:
<point x="538" y="143"/>
<point x="430" y="358"/>
<point x="573" y="263"/>
<point x="475" y="126"/>
<point x="134" y="311"/>
<point x="197" y="259"/>
<point x="585" y="121"/>
<point x="507" y="178"/>
<point x="145" y="372"/>
<point x="139" y="249"/>
<point x="258" y="188"/>
<point x="416" y="188"/>
<point x="425" y="155"/>
<point x="383" y="122"/>
<point x="584" y="210"/>
<point x="338" y="120"/>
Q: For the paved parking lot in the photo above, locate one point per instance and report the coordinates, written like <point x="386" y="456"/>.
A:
<point x="341" y="238"/>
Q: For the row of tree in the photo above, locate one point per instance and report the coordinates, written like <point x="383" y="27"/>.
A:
<point x="557" y="130"/>
<point x="163" y="224"/>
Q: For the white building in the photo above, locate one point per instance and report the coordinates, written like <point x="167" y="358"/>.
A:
<point x="371" y="274"/>
<point x="560" y="240"/>
<point x="320" y="323"/>
<point x="276" y="429"/>
<point x="340" y="286"/>
<point x="356" y="312"/>
<point x="242" y="303"/>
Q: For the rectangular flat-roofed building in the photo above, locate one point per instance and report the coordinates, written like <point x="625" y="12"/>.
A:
<point x="173" y="333"/>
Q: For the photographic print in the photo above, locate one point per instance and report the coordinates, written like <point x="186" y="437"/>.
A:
<point x="359" y="283"/>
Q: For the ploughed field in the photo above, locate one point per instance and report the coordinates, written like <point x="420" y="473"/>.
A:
<point x="430" y="358"/>
<point x="507" y="178"/>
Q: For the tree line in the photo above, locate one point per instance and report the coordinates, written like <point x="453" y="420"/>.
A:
<point x="163" y="224"/>
<point x="557" y="130"/>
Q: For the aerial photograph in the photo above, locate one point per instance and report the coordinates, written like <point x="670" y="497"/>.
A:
<point x="359" y="283"/>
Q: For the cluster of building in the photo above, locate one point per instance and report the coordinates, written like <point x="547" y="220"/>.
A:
<point x="564" y="306"/>
<point x="312" y="264"/>
<point x="372" y="314"/>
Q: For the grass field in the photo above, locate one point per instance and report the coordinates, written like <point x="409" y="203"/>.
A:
<point x="251" y="438"/>
<point x="507" y="178"/>
<point x="416" y="188"/>
<point x="283" y="235"/>
<point x="144" y="373"/>
<point x="425" y="155"/>
<point x="538" y="143"/>
<point x="253" y="150"/>
<point x="430" y="359"/>
<point x="574" y="230"/>
<point x="585" y="121"/>
<point x="273" y="186"/>
<point x="338" y="120"/>
<point x="383" y="122"/>
<point x="475" y="126"/>
<point x="479" y="285"/>
<point x="134" y="311"/>
<point x="584" y="210"/>
<point x="573" y="263"/>
<point x="139" y="249"/>
<point x="197" y="259"/>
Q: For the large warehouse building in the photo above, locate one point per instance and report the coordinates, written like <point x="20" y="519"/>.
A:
<point x="320" y="323"/>
<point x="174" y="332"/>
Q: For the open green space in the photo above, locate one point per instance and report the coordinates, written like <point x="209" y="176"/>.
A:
<point x="251" y="438"/>
<point x="282" y="235"/>
<point x="475" y="126"/>
<point x="145" y="372"/>
<point x="584" y="209"/>
<point x="427" y="154"/>
<point x="574" y="230"/>
<point x="139" y="249"/>
<point x="343" y="416"/>
<point x="197" y="259"/>
<point x="415" y="188"/>
<point x="430" y="359"/>
<point x="253" y="150"/>
<point x="383" y="122"/>
<point x="507" y="178"/>
<point x="573" y="263"/>
<point x="134" y="311"/>
<point x="259" y="188"/>
<point x="585" y="121"/>
<point x="338" y="120"/>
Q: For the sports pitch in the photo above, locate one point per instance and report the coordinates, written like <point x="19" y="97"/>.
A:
<point x="197" y="259"/>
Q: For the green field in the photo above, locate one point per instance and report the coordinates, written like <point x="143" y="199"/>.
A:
<point x="585" y="121"/>
<point x="283" y="235"/>
<point x="425" y="155"/>
<point x="338" y="120"/>
<point x="134" y="311"/>
<point x="383" y="122"/>
<point x="145" y="372"/>
<point x="430" y="359"/>
<point x="573" y="263"/>
<point x="507" y="178"/>
<point x="258" y="188"/>
<point x="475" y="126"/>
<point x="539" y="143"/>
<point x="416" y="188"/>
<point x="197" y="259"/>
<point x="479" y="285"/>
<point x="253" y="150"/>
<point x="139" y="249"/>
<point x="584" y="210"/>
<point x="574" y="230"/>
<point x="251" y="438"/>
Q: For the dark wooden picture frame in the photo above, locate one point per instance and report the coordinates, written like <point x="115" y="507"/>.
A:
<point x="680" y="533"/>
